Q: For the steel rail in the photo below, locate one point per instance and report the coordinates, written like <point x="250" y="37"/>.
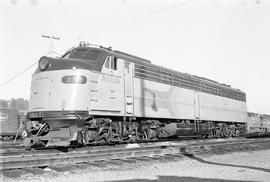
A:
<point x="39" y="160"/>
<point x="18" y="151"/>
<point x="15" y="150"/>
<point x="91" y="154"/>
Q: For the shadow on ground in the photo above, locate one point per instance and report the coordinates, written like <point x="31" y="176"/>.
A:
<point x="181" y="179"/>
<point x="191" y="156"/>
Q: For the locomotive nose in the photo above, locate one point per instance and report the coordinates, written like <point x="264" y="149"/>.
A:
<point x="61" y="84"/>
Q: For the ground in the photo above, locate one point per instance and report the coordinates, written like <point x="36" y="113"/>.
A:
<point x="241" y="166"/>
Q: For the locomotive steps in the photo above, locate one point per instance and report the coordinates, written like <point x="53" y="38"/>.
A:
<point x="127" y="151"/>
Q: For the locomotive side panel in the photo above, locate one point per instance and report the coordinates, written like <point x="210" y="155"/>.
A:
<point x="157" y="100"/>
<point x="221" y="109"/>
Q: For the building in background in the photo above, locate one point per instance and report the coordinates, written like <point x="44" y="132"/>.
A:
<point x="12" y="113"/>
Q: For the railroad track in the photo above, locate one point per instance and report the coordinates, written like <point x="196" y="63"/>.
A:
<point x="13" y="148"/>
<point x="53" y="157"/>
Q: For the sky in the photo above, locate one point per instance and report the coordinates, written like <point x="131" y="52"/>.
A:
<point x="224" y="40"/>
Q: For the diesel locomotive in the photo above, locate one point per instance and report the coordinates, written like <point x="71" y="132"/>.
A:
<point x="93" y="94"/>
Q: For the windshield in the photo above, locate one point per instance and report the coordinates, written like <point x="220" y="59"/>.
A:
<point x="66" y="55"/>
<point x="85" y="54"/>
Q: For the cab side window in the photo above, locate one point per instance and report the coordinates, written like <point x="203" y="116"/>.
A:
<point x="111" y="62"/>
<point x="108" y="62"/>
<point x="114" y="63"/>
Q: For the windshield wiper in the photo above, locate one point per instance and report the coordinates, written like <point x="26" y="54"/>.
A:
<point x="86" y="52"/>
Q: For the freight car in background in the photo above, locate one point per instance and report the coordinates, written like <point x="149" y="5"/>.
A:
<point x="11" y="121"/>
<point x="258" y="124"/>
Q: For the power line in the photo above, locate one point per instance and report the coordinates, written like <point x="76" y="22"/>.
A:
<point x="137" y="19"/>
<point x="106" y="29"/>
<point x="18" y="74"/>
<point x="51" y="52"/>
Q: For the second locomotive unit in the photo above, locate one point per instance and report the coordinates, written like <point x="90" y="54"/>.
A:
<point x="95" y="95"/>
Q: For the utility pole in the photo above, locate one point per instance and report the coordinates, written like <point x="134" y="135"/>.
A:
<point x="52" y="38"/>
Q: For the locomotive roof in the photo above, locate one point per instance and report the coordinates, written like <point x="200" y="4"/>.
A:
<point x="145" y="62"/>
<point x="145" y="69"/>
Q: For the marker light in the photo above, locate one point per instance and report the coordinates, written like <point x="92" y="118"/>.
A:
<point x="43" y="63"/>
<point x="74" y="79"/>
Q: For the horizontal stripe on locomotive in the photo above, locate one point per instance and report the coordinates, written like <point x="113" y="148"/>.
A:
<point x="188" y="82"/>
<point x="177" y="84"/>
<point x="58" y="114"/>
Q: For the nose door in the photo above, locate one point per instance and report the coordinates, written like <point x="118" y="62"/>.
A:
<point x="40" y="89"/>
<point x="128" y="88"/>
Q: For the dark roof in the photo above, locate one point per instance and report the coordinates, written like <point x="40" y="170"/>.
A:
<point x="145" y="62"/>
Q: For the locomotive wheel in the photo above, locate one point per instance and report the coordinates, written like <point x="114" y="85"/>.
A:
<point x="90" y="136"/>
<point x="145" y="136"/>
<point x="211" y="134"/>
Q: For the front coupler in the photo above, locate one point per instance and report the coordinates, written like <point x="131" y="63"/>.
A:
<point x="54" y="133"/>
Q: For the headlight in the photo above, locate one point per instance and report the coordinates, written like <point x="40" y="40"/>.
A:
<point x="43" y="63"/>
<point x="74" y="79"/>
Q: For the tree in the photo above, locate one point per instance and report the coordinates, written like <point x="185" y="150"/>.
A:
<point x="3" y="103"/>
<point x="18" y="104"/>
